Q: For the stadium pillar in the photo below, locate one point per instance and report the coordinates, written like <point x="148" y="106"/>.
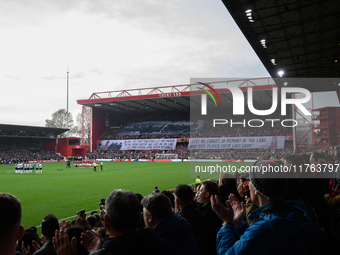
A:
<point x="304" y="133"/>
<point x="67" y="105"/>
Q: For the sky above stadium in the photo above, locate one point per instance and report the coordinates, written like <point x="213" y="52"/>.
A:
<point x="111" y="45"/>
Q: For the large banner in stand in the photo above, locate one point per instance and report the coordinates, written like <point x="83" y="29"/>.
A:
<point x="138" y="144"/>
<point x="237" y="143"/>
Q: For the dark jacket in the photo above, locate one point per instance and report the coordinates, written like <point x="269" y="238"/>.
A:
<point x="226" y="189"/>
<point x="214" y="225"/>
<point x="176" y="235"/>
<point x="46" y="249"/>
<point x="199" y="225"/>
<point x="140" y="242"/>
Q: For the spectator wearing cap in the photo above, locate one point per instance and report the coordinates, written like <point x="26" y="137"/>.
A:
<point x="280" y="227"/>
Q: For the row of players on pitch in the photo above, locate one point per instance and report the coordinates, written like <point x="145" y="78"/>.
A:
<point x="27" y="167"/>
<point x="83" y="164"/>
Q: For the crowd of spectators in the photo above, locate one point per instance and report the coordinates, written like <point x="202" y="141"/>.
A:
<point x="12" y="153"/>
<point x="181" y="150"/>
<point x="184" y="153"/>
<point x="236" y="214"/>
<point x="16" y="153"/>
<point x="144" y="136"/>
<point x="207" y="131"/>
<point x="268" y="129"/>
<point x="111" y="132"/>
<point x="256" y="128"/>
<point x="242" y="154"/>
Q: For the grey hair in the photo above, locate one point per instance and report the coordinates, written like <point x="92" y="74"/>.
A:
<point x="122" y="209"/>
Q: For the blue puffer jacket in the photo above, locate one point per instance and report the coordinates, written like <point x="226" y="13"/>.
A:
<point x="176" y="235"/>
<point x="283" y="231"/>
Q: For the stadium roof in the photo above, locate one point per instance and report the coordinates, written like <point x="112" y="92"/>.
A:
<point x="172" y="98"/>
<point x="299" y="37"/>
<point x="30" y="131"/>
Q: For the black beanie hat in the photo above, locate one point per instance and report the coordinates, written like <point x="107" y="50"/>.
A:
<point x="271" y="188"/>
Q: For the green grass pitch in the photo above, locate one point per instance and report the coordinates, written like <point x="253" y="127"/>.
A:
<point x="64" y="191"/>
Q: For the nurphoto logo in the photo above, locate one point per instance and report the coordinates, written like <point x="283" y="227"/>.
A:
<point x="239" y="99"/>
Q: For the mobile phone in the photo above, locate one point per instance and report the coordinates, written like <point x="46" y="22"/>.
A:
<point x="82" y="212"/>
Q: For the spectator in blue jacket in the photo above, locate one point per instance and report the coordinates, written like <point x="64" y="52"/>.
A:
<point x="280" y="227"/>
<point x="174" y="232"/>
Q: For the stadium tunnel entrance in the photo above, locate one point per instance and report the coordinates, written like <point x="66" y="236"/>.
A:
<point x="70" y="147"/>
